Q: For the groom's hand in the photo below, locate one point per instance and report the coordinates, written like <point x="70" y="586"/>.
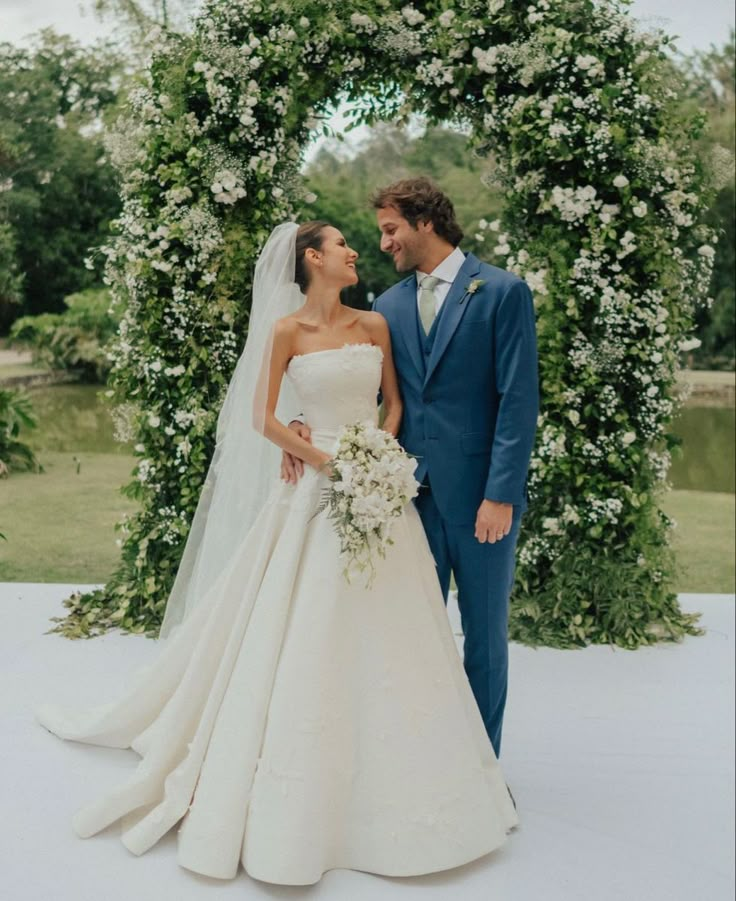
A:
<point x="493" y="521"/>
<point x="292" y="468"/>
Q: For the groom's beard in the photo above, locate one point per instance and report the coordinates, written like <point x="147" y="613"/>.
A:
<point x="405" y="260"/>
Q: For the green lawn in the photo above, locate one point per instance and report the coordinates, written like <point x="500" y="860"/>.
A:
<point x="59" y="525"/>
<point x="704" y="540"/>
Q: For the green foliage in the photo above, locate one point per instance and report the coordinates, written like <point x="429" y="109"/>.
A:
<point x="57" y="188"/>
<point x="16" y="413"/>
<point x="76" y="340"/>
<point x="576" y="118"/>
<point x="711" y="89"/>
<point x="11" y="281"/>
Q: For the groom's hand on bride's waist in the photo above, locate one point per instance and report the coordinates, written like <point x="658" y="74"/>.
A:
<point x="493" y="521"/>
<point x="292" y="468"/>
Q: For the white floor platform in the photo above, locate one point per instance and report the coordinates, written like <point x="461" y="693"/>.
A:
<point x="622" y="765"/>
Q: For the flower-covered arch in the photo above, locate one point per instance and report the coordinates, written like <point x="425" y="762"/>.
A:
<point x="603" y="196"/>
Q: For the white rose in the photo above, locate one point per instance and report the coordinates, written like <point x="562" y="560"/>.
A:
<point x="628" y="438"/>
<point x="706" y="251"/>
<point x="620" y="181"/>
<point x="640" y="210"/>
<point x="574" y="417"/>
<point x="154" y="421"/>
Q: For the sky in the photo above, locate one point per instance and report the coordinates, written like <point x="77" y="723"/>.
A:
<point x="699" y="23"/>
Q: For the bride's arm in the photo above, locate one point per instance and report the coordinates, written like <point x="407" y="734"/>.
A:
<point x="392" y="403"/>
<point x="287" y="439"/>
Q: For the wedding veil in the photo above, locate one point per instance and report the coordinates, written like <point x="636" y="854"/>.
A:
<point x="240" y="475"/>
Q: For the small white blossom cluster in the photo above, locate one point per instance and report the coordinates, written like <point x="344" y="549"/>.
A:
<point x="574" y="204"/>
<point x="372" y="481"/>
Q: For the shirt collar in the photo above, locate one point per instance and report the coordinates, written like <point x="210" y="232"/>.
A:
<point x="449" y="267"/>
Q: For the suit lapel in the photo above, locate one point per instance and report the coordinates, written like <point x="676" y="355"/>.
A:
<point x="453" y="309"/>
<point x="407" y="318"/>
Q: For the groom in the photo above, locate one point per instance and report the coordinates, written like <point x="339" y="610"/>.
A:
<point x="464" y="345"/>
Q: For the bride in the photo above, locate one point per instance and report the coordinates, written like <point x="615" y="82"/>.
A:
<point x="293" y="721"/>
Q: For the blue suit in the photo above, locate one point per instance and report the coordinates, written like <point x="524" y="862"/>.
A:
<point x="470" y="395"/>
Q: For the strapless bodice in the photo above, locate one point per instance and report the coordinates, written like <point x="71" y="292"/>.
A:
<point x="337" y="386"/>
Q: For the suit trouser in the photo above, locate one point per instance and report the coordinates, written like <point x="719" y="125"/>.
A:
<point x="484" y="574"/>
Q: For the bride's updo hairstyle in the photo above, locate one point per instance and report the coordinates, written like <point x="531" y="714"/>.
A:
<point x="308" y="235"/>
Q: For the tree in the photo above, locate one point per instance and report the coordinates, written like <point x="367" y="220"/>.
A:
<point x="59" y="193"/>
<point x="711" y="78"/>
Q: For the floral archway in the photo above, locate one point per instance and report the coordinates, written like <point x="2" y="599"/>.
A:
<point x="604" y="194"/>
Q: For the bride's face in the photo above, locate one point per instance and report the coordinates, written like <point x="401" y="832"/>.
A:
<point x="334" y="262"/>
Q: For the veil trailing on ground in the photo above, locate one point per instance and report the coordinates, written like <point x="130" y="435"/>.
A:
<point x="244" y="462"/>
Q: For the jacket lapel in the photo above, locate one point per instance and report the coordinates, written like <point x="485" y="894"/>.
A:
<point x="407" y="319"/>
<point x="454" y="307"/>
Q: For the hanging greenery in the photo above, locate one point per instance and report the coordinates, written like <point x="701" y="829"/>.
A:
<point x="603" y="201"/>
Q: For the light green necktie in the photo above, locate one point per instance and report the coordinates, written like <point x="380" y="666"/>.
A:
<point x="427" y="301"/>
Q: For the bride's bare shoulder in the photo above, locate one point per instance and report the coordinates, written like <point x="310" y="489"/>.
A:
<point x="374" y="324"/>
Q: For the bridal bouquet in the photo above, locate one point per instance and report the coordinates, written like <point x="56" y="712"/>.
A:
<point x="372" y="480"/>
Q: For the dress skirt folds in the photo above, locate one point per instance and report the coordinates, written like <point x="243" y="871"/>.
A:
<point x="296" y="723"/>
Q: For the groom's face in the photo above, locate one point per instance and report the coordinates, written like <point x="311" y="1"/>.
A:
<point x="406" y="244"/>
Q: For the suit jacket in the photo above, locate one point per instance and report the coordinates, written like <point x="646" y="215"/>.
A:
<point x="471" y="399"/>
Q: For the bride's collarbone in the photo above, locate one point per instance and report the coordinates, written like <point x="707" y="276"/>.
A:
<point x="314" y="338"/>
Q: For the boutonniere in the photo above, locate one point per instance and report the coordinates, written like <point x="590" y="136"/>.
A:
<point x="473" y="287"/>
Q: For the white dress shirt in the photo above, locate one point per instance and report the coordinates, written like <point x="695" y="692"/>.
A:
<point x="446" y="271"/>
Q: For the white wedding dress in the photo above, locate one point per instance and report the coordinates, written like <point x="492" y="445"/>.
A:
<point x="297" y="723"/>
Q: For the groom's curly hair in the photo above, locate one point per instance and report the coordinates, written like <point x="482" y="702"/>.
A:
<point x="421" y="200"/>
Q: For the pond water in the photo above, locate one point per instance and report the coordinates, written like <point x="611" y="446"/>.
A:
<point x="708" y="460"/>
<point x="73" y="418"/>
<point x="77" y="418"/>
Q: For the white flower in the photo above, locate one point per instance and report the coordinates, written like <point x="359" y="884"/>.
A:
<point x="446" y="18"/>
<point x="412" y="16"/>
<point x="585" y="62"/>
<point x="574" y="417"/>
<point x="620" y="181"/>
<point x="640" y="209"/>
<point x="706" y="251"/>
<point x="689" y="344"/>
<point x="486" y="59"/>
<point x="628" y="438"/>
<point x="537" y="281"/>
<point x="558" y="130"/>
<point x="154" y="421"/>
<point x="309" y="197"/>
